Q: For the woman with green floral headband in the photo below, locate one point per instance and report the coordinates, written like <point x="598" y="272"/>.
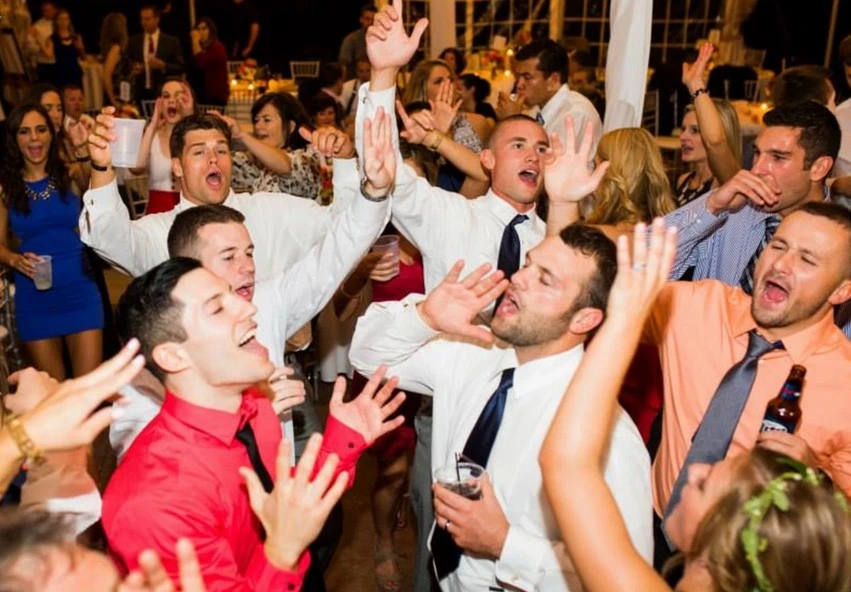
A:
<point x="757" y="522"/>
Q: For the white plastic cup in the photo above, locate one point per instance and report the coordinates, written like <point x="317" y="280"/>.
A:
<point x="388" y="244"/>
<point x="128" y="140"/>
<point x="43" y="276"/>
<point x="463" y="478"/>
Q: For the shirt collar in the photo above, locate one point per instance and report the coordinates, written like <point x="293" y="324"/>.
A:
<point x="555" y="104"/>
<point x="504" y="212"/>
<point x="822" y="336"/>
<point x="221" y="425"/>
<point x="185" y="204"/>
<point x="534" y="376"/>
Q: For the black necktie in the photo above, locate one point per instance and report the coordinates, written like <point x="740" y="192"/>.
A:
<point x="446" y="553"/>
<point x="746" y="281"/>
<point x="508" y="259"/>
<point x="352" y="100"/>
<point x="246" y="436"/>
<point x="715" y="432"/>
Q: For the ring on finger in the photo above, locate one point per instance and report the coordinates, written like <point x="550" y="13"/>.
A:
<point x="446" y="526"/>
<point x="639" y="266"/>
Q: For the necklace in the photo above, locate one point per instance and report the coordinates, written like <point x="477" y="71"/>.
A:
<point x="43" y="194"/>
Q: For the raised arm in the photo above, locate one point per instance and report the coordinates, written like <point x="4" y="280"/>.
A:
<point x="722" y="162"/>
<point x="421" y="128"/>
<point x="133" y="246"/>
<point x="575" y="447"/>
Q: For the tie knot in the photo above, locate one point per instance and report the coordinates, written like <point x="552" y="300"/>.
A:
<point x="507" y="379"/>
<point x="518" y="219"/>
<point x="758" y="346"/>
<point x="771" y="223"/>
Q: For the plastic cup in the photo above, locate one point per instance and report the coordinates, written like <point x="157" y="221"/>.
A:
<point x="43" y="277"/>
<point x="463" y="478"/>
<point x="388" y="244"/>
<point x="128" y="140"/>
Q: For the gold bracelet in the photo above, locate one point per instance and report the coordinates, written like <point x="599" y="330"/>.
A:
<point x="436" y="144"/>
<point x="32" y="453"/>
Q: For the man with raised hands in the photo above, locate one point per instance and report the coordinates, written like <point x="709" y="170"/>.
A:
<point x="285" y="226"/>
<point x="180" y="479"/>
<point x="495" y="394"/>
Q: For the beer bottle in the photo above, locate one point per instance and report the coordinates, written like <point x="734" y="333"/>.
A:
<point x="784" y="411"/>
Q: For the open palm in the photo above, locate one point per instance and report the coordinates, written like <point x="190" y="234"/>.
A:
<point x="693" y="73"/>
<point x="379" y="158"/>
<point x="368" y="412"/>
<point x="567" y="177"/>
<point x="388" y="45"/>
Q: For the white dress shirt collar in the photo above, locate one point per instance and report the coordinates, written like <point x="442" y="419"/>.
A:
<point x="556" y="103"/>
<point x="185" y="204"/>
<point x="505" y="212"/>
<point x="533" y="377"/>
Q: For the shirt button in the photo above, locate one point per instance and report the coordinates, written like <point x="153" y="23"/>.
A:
<point x="290" y="586"/>
<point x="351" y="445"/>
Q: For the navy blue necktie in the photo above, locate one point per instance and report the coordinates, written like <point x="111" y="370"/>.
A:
<point x="508" y="259"/>
<point x="446" y="553"/>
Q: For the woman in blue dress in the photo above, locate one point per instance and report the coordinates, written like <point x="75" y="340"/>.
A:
<point x="40" y="209"/>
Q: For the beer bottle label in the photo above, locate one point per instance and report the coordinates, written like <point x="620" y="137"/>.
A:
<point x="771" y="425"/>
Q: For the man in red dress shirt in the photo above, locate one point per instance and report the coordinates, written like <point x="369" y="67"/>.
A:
<point x="181" y="478"/>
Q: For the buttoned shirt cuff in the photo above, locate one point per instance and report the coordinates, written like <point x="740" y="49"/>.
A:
<point x="409" y="322"/>
<point x="346" y="443"/>
<point x="345" y="171"/>
<point x="264" y="576"/>
<point x="96" y="203"/>
<point x="519" y="564"/>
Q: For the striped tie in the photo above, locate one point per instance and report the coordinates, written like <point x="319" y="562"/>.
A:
<point x="746" y="281"/>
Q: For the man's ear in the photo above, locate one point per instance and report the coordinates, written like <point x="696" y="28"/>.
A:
<point x="585" y="320"/>
<point x="487" y="159"/>
<point x="171" y="357"/>
<point x="820" y="168"/>
<point x="841" y="294"/>
<point x="176" y="168"/>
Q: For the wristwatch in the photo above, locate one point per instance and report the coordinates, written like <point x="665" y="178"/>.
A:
<point x="374" y="198"/>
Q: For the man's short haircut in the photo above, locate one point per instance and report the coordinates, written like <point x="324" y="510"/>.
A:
<point x="820" y="134"/>
<point x="183" y="234"/>
<point x="368" y="8"/>
<point x="72" y="86"/>
<point x="152" y="7"/>
<point x="32" y="535"/>
<point x="203" y="121"/>
<point x="845" y="51"/>
<point x="503" y="122"/>
<point x="148" y="312"/>
<point x="552" y="57"/>
<point x="835" y="213"/>
<point x="592" y="242"/>
<point x="802" y="83"/>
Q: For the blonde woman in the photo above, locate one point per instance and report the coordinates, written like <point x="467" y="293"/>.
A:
<point x="757" y="522"/>
<point x="635" y="187"/>
<point x="711" y="141"/>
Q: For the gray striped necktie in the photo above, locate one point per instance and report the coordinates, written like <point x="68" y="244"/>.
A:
<point x="715" y="432"/>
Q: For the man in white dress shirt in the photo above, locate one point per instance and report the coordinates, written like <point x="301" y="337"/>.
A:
<point x="508" y="537"/>
<point x="284" y="226"/>
<point x="217" y="236"/>
<point x="446" y="226"/>
<point x="542" y="69"/>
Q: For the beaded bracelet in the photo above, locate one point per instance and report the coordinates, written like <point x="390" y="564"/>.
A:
<point x="32" y="453"/>
<point x="698" y="92"/>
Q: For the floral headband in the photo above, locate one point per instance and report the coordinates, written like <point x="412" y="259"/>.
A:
<point x="773" y="495"/>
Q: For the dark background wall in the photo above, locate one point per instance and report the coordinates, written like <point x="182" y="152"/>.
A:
<point x="289" y="29"/>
